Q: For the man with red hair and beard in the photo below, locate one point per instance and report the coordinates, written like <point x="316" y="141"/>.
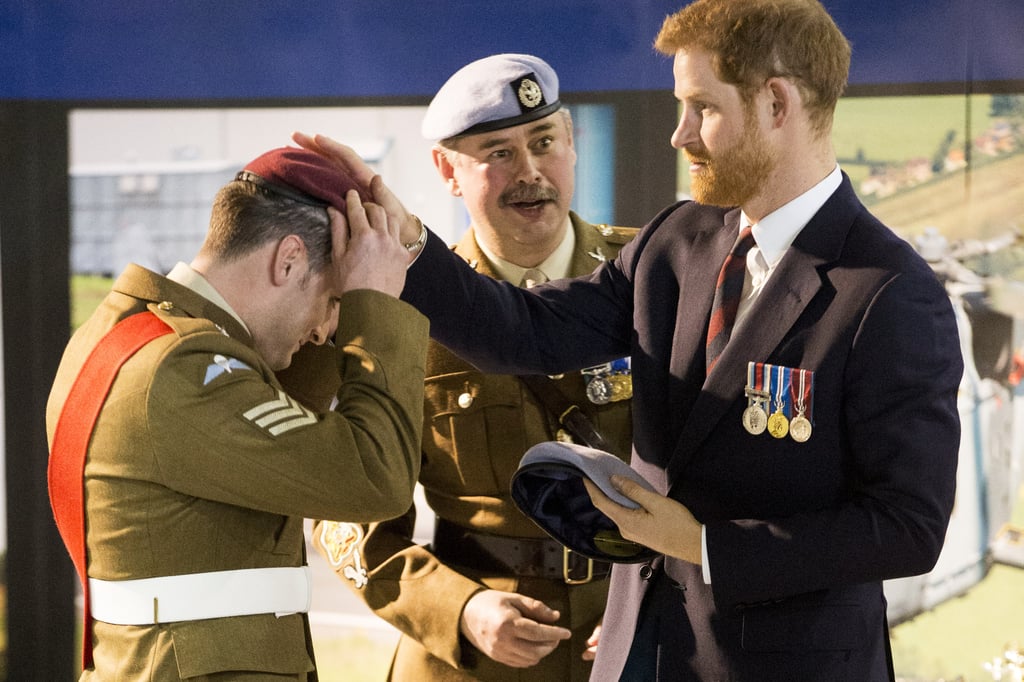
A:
<point x="795" y="363"/>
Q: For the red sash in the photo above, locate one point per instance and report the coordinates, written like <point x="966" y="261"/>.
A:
<point x="72" y="435"/>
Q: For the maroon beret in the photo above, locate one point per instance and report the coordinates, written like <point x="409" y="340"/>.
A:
<point x="301" y="175"/>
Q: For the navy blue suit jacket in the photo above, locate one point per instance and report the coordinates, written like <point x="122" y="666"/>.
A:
<point x="800" y="536"/>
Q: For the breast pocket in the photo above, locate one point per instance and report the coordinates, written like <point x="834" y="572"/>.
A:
<point x="476" y="431"/>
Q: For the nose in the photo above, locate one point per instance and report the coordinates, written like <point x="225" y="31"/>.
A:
<point x="325" y="330"/>
<point x="318" y="336"/>
<point x="687" y="131"/>
<point x="528" y="169"/>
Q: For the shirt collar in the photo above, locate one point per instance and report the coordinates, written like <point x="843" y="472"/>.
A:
<point x="186" y="276"/>
<point x="555" y="266"/>
<point x="776" y="231"/>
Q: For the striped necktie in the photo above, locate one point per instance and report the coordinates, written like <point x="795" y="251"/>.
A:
<point x="727" y="297"/>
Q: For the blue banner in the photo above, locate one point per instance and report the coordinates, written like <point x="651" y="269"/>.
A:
<point x="197" y="49"/>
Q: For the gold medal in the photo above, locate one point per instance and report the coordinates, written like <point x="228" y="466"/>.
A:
<point x="754" y="419"/>
<point x="800" y="429"/>
<point x="622" y="386"/>
<point x="778" y="425"/>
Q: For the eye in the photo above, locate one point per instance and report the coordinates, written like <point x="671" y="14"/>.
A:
<point x="499" y="154"/>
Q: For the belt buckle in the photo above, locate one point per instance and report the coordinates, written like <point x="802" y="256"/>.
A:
<point x="566" y="572"/>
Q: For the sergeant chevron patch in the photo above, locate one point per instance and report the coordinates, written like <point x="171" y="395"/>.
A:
<point x="280" y="416"/>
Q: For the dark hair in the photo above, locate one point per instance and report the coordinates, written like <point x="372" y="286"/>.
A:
<point x="246" y="216"/>
<point x="751" y="41"/>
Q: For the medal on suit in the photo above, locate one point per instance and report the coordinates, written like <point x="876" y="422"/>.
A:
<point x="778" y="423"/>
<point x="755" y="419"/>
<point x="800" y="427"/>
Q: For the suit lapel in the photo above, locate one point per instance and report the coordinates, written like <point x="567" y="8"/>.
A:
<point x="697" y="292"/>
<point x="795" y="281"/>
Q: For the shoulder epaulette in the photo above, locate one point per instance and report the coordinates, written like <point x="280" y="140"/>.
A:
<point x="180" y="321"/>
<point x="616" y="234"/>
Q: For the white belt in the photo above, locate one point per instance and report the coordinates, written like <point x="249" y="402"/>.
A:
<point x="197" y="596"/>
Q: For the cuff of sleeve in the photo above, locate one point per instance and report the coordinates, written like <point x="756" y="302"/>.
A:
<point x="704" y="567"/>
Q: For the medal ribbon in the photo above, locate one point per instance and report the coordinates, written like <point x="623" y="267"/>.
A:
<point x="801" y="395"/>
<point x="780" y="389"/>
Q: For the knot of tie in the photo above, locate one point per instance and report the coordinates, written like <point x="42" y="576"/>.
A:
<point x="727" y="297"/>
<point x="532" y="278"/>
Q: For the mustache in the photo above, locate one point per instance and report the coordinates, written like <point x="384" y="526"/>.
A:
<point x="528" y="194"/>
<point x="696" y="156"/>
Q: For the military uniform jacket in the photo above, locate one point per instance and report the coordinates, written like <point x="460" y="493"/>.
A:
<point x="477" y="427"/>
<point x="183" y="475"/>
<point x="800" y="536"/>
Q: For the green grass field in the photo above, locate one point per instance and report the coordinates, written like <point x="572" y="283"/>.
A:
<point x="952" y="641"/>
<point x="900" y="128"/>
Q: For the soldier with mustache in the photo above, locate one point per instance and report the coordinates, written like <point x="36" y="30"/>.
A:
<point x="493" y="598"/>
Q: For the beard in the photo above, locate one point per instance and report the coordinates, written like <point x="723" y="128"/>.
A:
<point x="734" y="175"/>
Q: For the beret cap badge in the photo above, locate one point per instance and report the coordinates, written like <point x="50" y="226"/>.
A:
<point x="529" y="93"/>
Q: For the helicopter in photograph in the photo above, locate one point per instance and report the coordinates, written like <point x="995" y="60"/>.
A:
<point x="984" y="282"/>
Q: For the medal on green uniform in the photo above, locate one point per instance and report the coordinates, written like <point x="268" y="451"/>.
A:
<point x="609" y="382"/>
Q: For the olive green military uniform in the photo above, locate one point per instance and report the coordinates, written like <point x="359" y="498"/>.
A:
<point x="477" y="427"/>
<point x="200" y="462"/>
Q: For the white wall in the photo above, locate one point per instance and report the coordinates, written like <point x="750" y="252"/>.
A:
<point x="387" y="136"/>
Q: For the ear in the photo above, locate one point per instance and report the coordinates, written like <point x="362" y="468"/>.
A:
<point x="289" y="255"/>
<point x="783" y="98"/>
<point x="446" y="170"/>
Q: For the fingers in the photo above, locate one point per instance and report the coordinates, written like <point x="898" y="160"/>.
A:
<point x="531" y="641"/>
<point x="343" y="155"/>
<point x="603" y="503"/>
<point x="536" y="624"/>
<point x="372" y="184"/>
<point x="339" y="233"/>
<point x="590" y="653"/>
<point x="536" y="609"/>
<point x="634" y="491"/>
<point x="500" y="625"/>
<point x="661" y="523"/>
<point x="367" y="251"/>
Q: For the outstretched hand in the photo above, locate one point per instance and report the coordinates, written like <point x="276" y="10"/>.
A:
<point x="661" y="523"/>
<point x="371" y="183"/>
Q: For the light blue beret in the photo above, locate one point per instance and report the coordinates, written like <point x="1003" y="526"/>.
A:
<point x="548" y="488"/>
<point x="492" y="93"/>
